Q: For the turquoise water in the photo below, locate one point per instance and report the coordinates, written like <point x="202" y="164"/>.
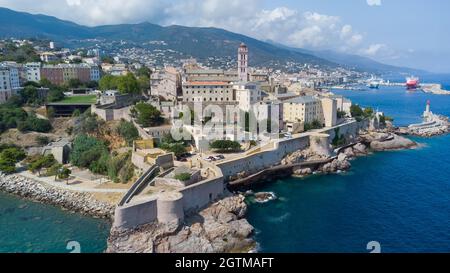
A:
<point x="399" y="199"/>
<point x="29" y="227"/>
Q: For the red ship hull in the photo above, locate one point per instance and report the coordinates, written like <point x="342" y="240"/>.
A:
<point x="412" y="83"/>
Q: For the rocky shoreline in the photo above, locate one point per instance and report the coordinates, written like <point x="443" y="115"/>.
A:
<point x="77" y="202"/>
<point x="219" y="228"/>
<point x="368" y="143"/>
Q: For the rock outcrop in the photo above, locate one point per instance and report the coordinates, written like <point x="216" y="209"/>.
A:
<point x="217" y="229"/>
<point x="386" y="142"/>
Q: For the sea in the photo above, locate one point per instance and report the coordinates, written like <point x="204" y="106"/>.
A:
<point x="398" y="201"/>
<point x="389" y="202"/>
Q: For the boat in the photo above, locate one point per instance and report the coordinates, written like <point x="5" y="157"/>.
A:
<point x="374" y="83"/>
<point x="412" y="83"/>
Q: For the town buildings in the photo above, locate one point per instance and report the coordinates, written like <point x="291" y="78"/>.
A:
<point x="166" y="84"/>
<point x="63" y="73"/>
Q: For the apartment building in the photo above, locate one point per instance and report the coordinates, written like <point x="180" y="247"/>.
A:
<point x="166" y="84"/>
<point x="307" y="109"/>
<point x="63" y="73"/>
<point x="247" y="95"/>
<point x="32" y="72"/>
<point x="5" y="84"/>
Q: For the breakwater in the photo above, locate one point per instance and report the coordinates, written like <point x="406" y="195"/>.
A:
<point x="73" y="201"/>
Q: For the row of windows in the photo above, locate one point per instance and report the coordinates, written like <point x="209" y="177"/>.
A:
<point x="209" y="91"/>
<point x="205" y="99"/>
<point x="204" y="86"/>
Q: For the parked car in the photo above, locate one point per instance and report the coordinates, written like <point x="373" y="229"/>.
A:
<point x="210" y="158"/>
<point x="219" y="157"/>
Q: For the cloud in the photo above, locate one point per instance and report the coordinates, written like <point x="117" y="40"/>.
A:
<point x="373" y="49"/>
<point x="374" y="2"/>
<point x="94" y="12"/>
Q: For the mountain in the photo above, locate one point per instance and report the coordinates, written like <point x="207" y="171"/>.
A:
<point x="364" y="63"/>
<point x="21" y="24"/>
<point x="355" y="61"/>
<point x="198" y="42"/>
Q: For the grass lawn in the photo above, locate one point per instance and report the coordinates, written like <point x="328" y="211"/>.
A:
<point x="92" y="99"/>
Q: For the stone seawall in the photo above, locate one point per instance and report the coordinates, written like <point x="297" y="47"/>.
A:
<point x="73" y="201"/>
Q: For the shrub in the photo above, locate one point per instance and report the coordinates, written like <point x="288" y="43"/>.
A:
<point x="41" y="162"/>
<point x="53" y="170"/>
<point x="183" y="176"/>
<point x="64" y="173"/>
<point x="128" y="131"/>
<point x="315" y="124"/>
<point x="42" y="140"/>
<point x="225" y="145"/>
<point x="89" y="152"/>
<point x="32" y="123"/>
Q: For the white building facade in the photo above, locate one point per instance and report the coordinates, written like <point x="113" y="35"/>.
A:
<point x="247" y="95"/>
<point x="33" y="72"/>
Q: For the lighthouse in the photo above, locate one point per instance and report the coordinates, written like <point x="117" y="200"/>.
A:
<point x="427" y="115"/>
<point x="243" y="63"/>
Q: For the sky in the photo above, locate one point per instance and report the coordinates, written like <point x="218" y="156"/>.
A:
<point x="412" y="33"/>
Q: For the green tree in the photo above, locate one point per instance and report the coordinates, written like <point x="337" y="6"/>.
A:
<point x="128" y="131"/>
<point x="177" y="149"/>
<point x="368" y="112"/>
<point x="45" y="83"/>
<point x="128" y="84"/>
<point x="42" y="162"/>
<point x="108" y="82"/>
<point x="147" y="115"/>
<point x="143" y="71"/>
<point x="315" y="124"/>
<point x="9" y="156"/>
<point x="74" y="83"/>
<point x="356" y="111"/>
<point x="55" y="94"/>
<point x="341" y="114"/>
<point x="89" y="152"/>
<point x="144" y="84"/>
<point x="108" y="59"/>
<point x="64" y="173"/>
<point x="225" y="145"/>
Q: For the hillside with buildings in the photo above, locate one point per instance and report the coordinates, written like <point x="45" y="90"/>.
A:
<point x="178" y="41"/>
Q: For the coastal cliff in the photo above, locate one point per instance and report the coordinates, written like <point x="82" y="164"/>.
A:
<point x="220" y="228"/>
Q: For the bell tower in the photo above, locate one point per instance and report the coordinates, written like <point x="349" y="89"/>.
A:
<point x="243" y="63"/>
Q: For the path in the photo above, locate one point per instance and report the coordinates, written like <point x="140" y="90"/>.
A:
<point x="62" y="185"/>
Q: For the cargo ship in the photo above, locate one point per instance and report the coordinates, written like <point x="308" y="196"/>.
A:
<point x="412" y="83"/>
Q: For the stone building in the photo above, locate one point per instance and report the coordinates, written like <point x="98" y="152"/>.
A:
<point x="208" y="92"/>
